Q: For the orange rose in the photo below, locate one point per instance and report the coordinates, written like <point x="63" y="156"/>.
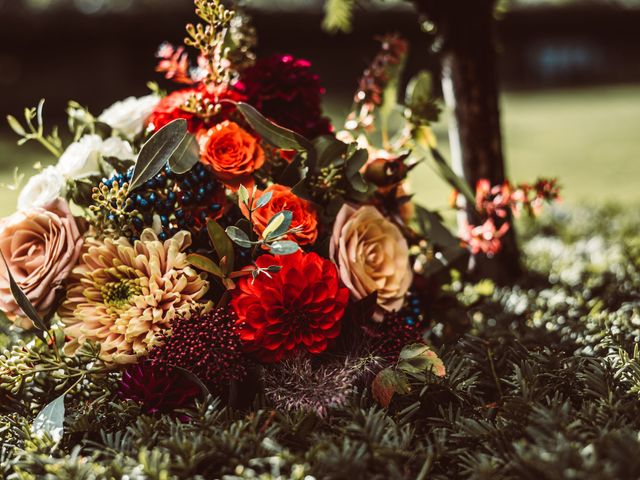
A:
<point x="304" y="214"/>
<point x="232" y="152"/>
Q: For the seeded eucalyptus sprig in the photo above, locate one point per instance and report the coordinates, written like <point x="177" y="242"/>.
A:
<point x="31" y="131"/>
<point x="209" y="38"/>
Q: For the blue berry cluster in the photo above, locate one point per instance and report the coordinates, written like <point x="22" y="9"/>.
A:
<point x="182" y="202"/>
<point x="413" y="309"/>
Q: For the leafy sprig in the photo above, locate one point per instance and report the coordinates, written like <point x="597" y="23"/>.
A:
<point x="33" y="130"/>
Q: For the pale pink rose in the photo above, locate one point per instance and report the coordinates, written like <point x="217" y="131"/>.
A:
<point x="372" y="256"/>
<point x="41" y="246"/>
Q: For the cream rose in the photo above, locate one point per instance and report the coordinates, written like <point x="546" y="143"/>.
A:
<point x="372" y="256"/>
<point x="127" y="117"/>
<point x="41" y="189"/>
<point x="41" y="246"/>
<point x="81" y="158"/>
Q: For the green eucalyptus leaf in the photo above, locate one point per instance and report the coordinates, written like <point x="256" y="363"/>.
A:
<point x="279" y="136"/>
<point x="50" y="420"/>
<point x="238" y="236"/>
<point x="203" y="263"/>
<point x="243" y="195"/>
<point x="157" y="151"/>
<point x="222" y="244"/>
<point x="186" y="155"/>
<point x="25" y="304"/>
<point x="284" y="247"/>
<point x="263" y="200"/>
<point x="451" y="177"/>
<point x="273" y="268"/>
<point x="352" y="170"/>
<point x="278" y="225"/>
<point x="418" y="89"/>
<point x="293" y="173"/>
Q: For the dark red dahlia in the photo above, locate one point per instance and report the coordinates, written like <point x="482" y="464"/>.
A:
<point x="300" y="308"/>
<point x="285" y="90"/>
<point x="195" y="105"/>
<point x="157" y="389"/>
<point x="207" y="344"/>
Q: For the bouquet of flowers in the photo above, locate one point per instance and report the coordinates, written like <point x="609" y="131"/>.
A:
<point x="223" y="239"/>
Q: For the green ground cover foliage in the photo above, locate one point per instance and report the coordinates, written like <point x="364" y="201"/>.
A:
<point x="545" y="385"/>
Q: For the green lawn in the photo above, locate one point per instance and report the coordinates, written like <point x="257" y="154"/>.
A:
<point x="589" y="138"/>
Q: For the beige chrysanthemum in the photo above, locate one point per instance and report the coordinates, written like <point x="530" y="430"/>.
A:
<point x="122" y="295"/>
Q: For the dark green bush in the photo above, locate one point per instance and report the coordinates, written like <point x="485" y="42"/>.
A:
<point x="546" y="385"/>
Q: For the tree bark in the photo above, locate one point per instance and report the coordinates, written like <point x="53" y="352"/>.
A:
<point x="470" y="86"/>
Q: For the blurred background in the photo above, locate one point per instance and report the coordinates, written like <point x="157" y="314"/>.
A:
<point x="569" y="73"/>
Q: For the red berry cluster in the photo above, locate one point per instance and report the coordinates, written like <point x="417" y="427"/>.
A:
<point x="207" y="344"/>
<point x="396" y="330"/>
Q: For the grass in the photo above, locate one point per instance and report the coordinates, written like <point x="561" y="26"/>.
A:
<point x="588" y="138"/>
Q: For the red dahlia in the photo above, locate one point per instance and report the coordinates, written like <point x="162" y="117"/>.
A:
<point x="286" y="90"/>
<point x="297" y="309"/>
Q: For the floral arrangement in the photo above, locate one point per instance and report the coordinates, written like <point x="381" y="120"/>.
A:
<point x="225" y="239"/>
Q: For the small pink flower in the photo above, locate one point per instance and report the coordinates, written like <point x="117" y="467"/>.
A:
<point x="484" y="238"/>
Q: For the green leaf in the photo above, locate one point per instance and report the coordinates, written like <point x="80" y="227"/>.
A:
<point x="15" y="125"/>
<point x="222" y="244"/>
<point x="263" y="200"/>
<point x="203" y="263"/>
<point x="278" y="225"/>
<point x="283" y="247"/>
<point x="186" y="155"/>
<point x="25" y="304"/>
<point x="329" y="149"/>
<point x="279" y="136"/>
<point x="50" y="420"/>
<point x="387" y="383"/>
<point x="432" y="226"/>
<point x="451" y="177"/>
<point x="238" y="236"/>
<point x="419" y="358"/>
<point x="157" y="151"/>
<point x="352" y="170"/>
<point x="422" y="105"/>
<point x="243" y="195"/>
<point x="418" y="89"/>
<point x="293" y="173"/>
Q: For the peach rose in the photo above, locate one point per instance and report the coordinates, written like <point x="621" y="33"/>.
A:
<point x="232" y="152"/>
<point x="372" y="256"/>
<point x="41" y="247"/>
<point x="304" y="214"/>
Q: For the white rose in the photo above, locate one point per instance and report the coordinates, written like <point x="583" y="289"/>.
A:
<point x="127" y="116"/>
<point x="81" y="158"/>
<point x="41" y="189"/>
<point x="116" y="147"/>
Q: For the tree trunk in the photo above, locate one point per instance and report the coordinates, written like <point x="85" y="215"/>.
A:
<point x="470" y="87"/>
